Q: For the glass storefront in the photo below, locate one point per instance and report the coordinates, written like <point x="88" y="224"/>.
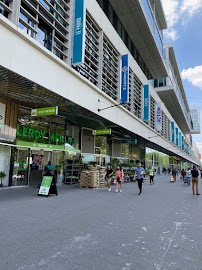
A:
<point x="157" y="160"/>
<point x="38" y="141"/>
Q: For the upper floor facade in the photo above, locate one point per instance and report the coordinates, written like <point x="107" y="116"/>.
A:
<point x="171" y="91"/>
<point x="49" y="24"/>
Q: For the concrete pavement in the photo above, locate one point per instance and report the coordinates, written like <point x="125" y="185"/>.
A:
<point x="85" y="229"/>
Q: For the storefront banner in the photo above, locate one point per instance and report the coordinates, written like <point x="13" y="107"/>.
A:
<point x="177" y="136"/>
<point x="40" y="145"/>
<point x="70" y="148"/>
<point x="183" y="143"/>
<point x="79" y="32"/>
<point x="173" y="132"/>
<point x="65" y="147"/>
<point x="102" y="132"/>
<point x="146" y="103"/>
<point x="45" y="185"/>
<point x="2" y="115"/>
<point x="180" y="140"/>
<point x="45" y="111"/>
<point x="124" y="79"/>
<point x="130" y="141"/>
<point x="158" y="117"/>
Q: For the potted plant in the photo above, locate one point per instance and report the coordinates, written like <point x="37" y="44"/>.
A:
<point x="2" y="175"/>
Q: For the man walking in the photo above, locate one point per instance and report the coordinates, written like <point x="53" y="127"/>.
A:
<point x="195" y="175"/>
<point x="174" y="173"/>
<point x="139" y="174"/>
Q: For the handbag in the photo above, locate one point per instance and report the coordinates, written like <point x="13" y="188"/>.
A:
<point x="114" y="181"/>
<point x="118" y="179"/>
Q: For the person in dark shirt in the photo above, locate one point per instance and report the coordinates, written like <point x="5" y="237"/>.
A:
<point x="109" y="174"/>
<point x="174" y="173"/>
<point x="195" y="175"/>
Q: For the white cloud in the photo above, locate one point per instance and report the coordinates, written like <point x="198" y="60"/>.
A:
<point x="193" y="75"/>
<point x="191" y="6"/>
<point x="199" y="146"/>
<point x="179" y="12"/>
<point x="172" y="34"/>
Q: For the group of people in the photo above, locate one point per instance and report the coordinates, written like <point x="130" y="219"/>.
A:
<point x="139" y="174"/>
<point x="188" y="175"/>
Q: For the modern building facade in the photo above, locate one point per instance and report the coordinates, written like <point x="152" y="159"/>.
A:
<point x="195" y="118"/>
<point x="71" y="54"/>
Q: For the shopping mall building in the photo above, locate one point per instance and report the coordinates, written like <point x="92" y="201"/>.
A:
<point x="88" y="81"/>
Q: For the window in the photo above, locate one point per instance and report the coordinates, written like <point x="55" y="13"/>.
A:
<point x="3" y="11"/>
<point x="44" y="35"/>
<point x="90" y="67"/>
<point x="51" y="25"/>
<point x="110" y="69"/>
<point x="112" y="16"/>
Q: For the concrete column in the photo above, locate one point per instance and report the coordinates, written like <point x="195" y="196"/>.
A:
<point x="14" y="15"/>
<point x="116" y="148"/>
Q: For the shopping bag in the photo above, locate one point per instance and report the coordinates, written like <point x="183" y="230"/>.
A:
<point x="114" y="181"/>
<point x="171" y="179"/>
<point x="181" y="177"/>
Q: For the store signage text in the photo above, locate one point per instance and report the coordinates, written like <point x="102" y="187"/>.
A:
<point x="158" y="117"/>
<point x="79" y="32"/>
<point x="173" y="132"/>
<point x="45" y="111"/>
<point x="45" y="185"/>
<point x="35" y="134"/>
<point x="146" y="103"/>
<point x="125" y="79"/>
<point x="101" y="132"/>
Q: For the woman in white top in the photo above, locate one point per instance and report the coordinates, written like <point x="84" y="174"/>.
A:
<point x="188" y="176"/>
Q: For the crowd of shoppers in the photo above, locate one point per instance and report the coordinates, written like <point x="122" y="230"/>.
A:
<point x="187" y="176"/>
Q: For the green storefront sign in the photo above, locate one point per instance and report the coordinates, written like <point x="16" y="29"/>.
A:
<point x="35" y="134"/>
<point x="45" y="185"/>
<point x="102" y="131"/>
<point x="40" y="145"/>
<point x="47" y="146"/>
<point x="45" y="111"/>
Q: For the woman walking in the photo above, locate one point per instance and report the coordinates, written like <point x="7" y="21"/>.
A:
<point x="109" y="174"/>
<point x="151" y="175"/>
<point x="119" y="179"/>
<point x="188" y="176"/>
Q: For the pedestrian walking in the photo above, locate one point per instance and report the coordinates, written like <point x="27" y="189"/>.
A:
<point x="183" y="173"/>
<point x="119" y="179"/>
<point x="109" y="174"/>
<point x="151" y="175"/>
<point x="188" y="176"/>
<point x="195" y="175"/>
<point x="174" y="173"/>
<point x="139" y="174"/>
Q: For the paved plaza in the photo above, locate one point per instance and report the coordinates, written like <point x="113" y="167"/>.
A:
<point x="85" y="229"/>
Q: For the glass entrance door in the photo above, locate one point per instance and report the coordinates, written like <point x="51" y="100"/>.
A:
<point x="38" y="160"/>
<point x="21" y="167"/>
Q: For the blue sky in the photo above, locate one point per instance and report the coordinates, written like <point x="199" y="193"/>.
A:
<point x="184" y="19"/>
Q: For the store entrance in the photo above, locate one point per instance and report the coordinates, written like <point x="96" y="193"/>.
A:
<point x="21" y="166"/>
<point x="38" y="160"/>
